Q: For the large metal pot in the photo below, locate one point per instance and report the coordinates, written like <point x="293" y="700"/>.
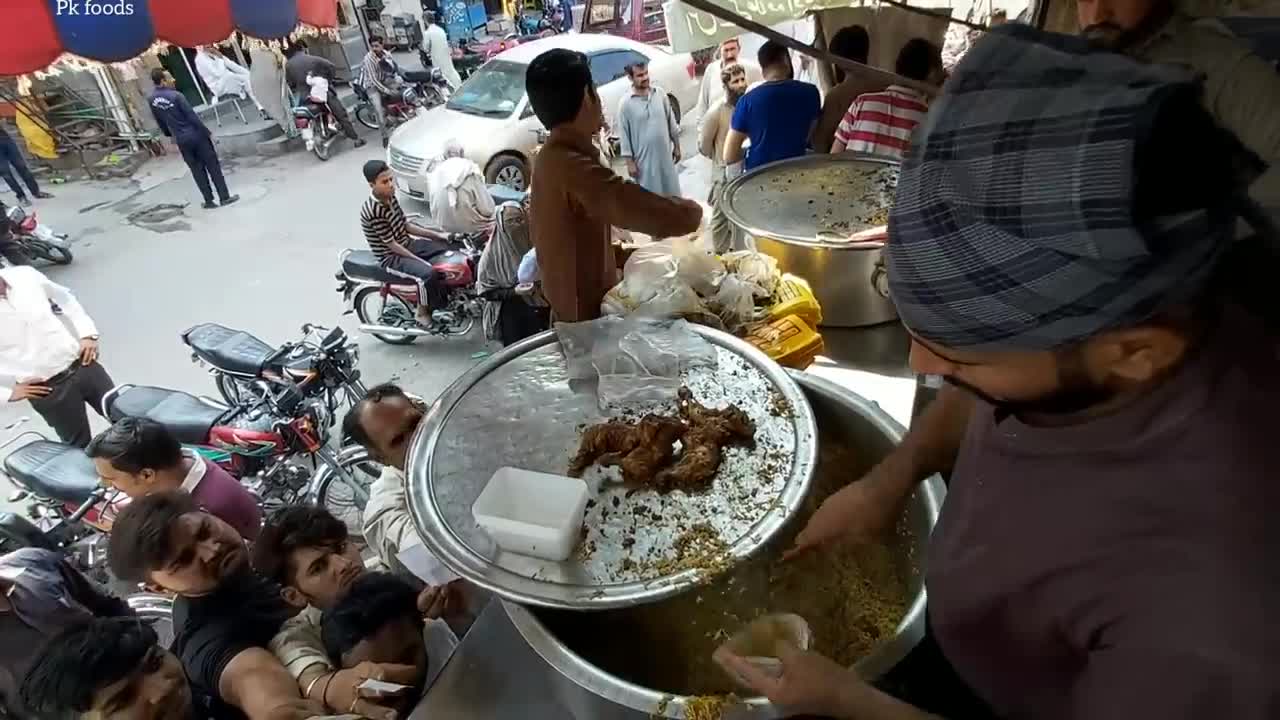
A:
<point x="790" y="209"/>
<point x="844" y="418"/>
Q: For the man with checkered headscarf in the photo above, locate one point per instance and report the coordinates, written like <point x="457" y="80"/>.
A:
<point x="1106" y="548"/>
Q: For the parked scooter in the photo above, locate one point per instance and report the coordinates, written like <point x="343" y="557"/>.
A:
<point x="29" y="239"/>
<point x="318" y="126"/>
<point x="322" y="364"/>
<point x="422" y="91"/>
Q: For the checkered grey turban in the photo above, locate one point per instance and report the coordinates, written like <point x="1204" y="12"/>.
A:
<point x="1018" y="221"/>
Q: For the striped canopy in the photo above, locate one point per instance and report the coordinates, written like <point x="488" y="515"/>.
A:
<point x="34" y="33"/>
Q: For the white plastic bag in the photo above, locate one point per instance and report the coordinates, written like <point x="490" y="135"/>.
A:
<point x="756" y="268"/>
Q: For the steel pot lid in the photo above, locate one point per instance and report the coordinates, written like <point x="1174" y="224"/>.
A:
<point x="814" y="199"/>
<point x="517" y="409"/>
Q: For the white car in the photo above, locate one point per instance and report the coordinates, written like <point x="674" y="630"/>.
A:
<point x="491" y="117"/>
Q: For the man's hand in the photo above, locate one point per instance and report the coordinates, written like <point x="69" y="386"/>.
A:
<point x="860" y="511"/>
<point x="433" y="601"/>
<point x="633" y="170"/>
<point x="675" y="153"/>
<point x="88" y="350"/>
<point x="809" y="684"/>
<point x="29" y="390"/>
<point x="344" y="693"/>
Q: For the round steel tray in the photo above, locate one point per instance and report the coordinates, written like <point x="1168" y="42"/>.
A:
<point x="814" y="199"/>
<point x="517" y="409"/>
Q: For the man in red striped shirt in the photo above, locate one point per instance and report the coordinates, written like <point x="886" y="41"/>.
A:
<point x="881" y="123"/>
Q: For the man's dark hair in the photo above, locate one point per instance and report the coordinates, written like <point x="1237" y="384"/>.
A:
<point x="83" y="659"/>
<point x="157" y="76"/>
<point x="375" y="40"/>
<point x="773" y="54"/>
<point x="917" y="59"/>
<point x="851" y="43"/>
<point x="373" y="601"/>
<point x="351" y="427"/>
<point x="374" y="168"/>
<point x="556" y="82"/>
<point x="140" y="537"/>
<point x="135" y="444"/>
<point x="292" y="528"/>
<point x="633" y="67"/>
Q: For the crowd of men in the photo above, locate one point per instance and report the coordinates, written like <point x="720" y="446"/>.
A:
<point x="1056" y="252"/>
<point x="281" y="618"/>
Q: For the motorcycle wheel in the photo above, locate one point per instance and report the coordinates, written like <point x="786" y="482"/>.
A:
<point x="335" y="493"/>
<point x="373" y="309"/>
<point x="463" y="326"/>
<point x="367" y="116"/>
<point x="46" y="251"/>
<point x="321" y="147"/>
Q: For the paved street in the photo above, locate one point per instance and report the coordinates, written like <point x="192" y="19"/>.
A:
<point x="264" y="265"/>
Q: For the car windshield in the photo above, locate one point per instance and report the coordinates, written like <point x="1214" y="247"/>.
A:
<point x="494" y="90"/>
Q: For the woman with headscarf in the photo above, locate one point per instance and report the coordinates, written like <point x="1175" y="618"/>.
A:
<point x="509" y="315"/>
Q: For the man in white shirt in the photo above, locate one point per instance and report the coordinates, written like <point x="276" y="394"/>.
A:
<point x="224" y="77"/>
<point x="49" y="353"/>
<point x="460" y="199"/>
<point x="436" y="44"/>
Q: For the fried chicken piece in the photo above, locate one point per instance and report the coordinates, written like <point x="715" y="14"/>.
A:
<point x="709" y="431"/>
<point x="614" y="437"/>
<point x="658" y="436"/>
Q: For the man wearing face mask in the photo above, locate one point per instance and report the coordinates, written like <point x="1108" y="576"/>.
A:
<point x="1241" y="90"/>
<point x="224" y="615"/>
<point x="306" y="551"/>
<point x="1106" y="546"/>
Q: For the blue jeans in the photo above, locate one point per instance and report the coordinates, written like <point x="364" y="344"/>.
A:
<point x="11" y="155"/>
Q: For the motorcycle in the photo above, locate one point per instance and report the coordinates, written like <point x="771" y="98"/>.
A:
<point x="423" y="91"/>
<point x="387" y="304"/>
<point x="318" y="126"/>
<point x="31" y="239"/>
<point x="69" y="511"/>
<point x="277" y="446"/>
<point x="322" y="364"/>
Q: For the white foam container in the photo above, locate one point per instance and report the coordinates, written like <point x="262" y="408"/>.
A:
<point x="532" y="513"/>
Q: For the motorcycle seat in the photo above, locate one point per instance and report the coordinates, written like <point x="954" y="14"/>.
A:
<point x="230" y="350"/>
<point x="186" y="416"/>
<point x="54" y="470"/>
<point x="364" y="265"/>
<point x="18" y="532"/>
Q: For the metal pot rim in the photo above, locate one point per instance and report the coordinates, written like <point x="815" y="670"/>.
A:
<point x="909" y="633"/>
<point x="731" y="212"/>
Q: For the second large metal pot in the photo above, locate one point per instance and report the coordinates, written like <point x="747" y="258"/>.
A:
<point x="846" y="420"/>
<point x="802" y="212"/>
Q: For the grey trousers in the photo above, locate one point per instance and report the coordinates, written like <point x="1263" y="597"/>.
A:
<point x="64" y="407"/>
<point x="375" y="97"/>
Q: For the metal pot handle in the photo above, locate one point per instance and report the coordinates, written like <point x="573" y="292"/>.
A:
<point x="880" y="278"/>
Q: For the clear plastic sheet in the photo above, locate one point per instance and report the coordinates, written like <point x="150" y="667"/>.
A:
<point x="634" y="359"/>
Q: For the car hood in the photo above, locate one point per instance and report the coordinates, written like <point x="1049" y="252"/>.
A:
<point x="426" y="135"/>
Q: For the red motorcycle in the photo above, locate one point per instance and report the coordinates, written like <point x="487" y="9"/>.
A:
<point x="276" y="443"/>
<point x="387" y="304"/>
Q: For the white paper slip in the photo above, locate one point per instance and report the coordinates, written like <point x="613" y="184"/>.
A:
<point x="418" y="560"/>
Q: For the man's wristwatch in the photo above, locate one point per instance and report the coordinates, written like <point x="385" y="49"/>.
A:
<point x="91" y="337"/>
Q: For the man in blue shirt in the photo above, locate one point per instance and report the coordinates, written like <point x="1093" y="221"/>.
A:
<point x="778" y="115"/>
<point x="178" y="121"/>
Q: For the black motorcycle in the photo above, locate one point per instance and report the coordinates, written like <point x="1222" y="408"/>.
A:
<point x="322" y="364"/>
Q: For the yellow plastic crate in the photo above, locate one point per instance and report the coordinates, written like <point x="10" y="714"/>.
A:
<point x="795" y="297"/>
<point x="790" y="341"/>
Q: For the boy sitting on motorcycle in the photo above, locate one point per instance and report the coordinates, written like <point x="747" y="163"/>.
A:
<point x="403" y="249"/>
<point x="138" y="456"/>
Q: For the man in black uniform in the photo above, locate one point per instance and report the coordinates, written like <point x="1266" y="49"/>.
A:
<point x="296" y="69"/>
<point x="178" y="121"/>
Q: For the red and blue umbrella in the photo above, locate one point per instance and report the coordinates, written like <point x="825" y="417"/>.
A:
<point x="36" y="32"/>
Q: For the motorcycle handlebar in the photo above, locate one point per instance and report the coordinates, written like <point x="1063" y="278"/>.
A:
<point x="92" y="500"/>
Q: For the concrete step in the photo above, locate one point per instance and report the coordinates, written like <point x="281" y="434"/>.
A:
<point x="238" y="138"/>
